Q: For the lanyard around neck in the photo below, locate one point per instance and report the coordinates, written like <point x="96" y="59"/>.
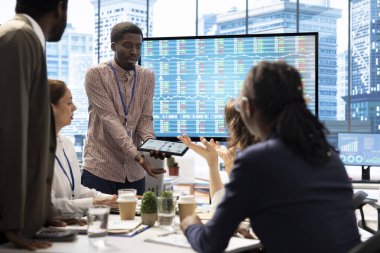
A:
<point x="72" y="182"/>
<point x="126" y="110"/>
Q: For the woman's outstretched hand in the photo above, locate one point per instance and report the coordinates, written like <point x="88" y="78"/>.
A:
<point x="227" y="154"/>
<point x="206" y="149"/>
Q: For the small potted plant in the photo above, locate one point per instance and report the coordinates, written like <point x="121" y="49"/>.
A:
<point x="172" y="166"/>
<point x="149" y="208"/>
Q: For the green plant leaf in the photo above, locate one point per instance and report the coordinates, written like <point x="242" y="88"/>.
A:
<point x="149" y="202"/>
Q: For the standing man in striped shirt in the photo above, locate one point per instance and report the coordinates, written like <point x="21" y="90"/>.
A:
<point x="120" y="96"/>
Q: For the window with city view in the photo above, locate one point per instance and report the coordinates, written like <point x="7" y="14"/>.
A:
<point x="349" y="71"/>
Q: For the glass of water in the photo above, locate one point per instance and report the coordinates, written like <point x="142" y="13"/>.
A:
<point x="97" y="225"/>
<point x="166" y="212"/>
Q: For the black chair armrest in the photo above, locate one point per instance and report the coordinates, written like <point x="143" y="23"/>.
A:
<point x="362" y="223"/>
<point x="373" y="203"/>
<point x="358" y="199"/>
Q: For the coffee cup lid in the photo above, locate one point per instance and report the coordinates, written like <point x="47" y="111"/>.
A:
<point x="126" y="198"/>
<point x="186" y="199"/>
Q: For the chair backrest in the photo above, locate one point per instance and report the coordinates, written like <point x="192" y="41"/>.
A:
<point x="372" y="245"/>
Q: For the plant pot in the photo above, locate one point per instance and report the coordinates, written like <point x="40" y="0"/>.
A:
<point x="173" y="171"/>
<point x="149" y="219"/>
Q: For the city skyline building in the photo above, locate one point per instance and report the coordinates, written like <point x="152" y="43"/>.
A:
<point x="277" y="17"/>
<point x="68" y="60"/>
<point x="116" y="11"/>
<point x="280" y="17"/>
<point x="206" y="24"/>
<point x="342" y="88"/>
<point x="365" y="56"/>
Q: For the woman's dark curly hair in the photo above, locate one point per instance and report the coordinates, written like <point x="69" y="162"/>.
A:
<point x="276" y="90"/>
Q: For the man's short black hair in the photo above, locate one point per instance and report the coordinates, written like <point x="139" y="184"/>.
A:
<point x="38" y="8"/>
<point x="122" y="28"/>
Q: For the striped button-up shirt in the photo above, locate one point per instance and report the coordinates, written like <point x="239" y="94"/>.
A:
<point x="109" y="151"/>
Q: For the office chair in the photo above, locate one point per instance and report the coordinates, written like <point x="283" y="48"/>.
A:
<point x="359" y="201"/>
<point x="372" y="245"/>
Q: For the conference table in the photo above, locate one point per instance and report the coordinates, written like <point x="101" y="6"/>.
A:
<point x="115" y="244"/>
<point x="119" y="243"/>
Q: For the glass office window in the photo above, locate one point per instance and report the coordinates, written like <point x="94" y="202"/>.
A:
<point x="112" y="12"/>
<point x="171" y="18"/>
<point x="272" y="16"/>
<point x="331" y="21"/>
<point x="221" y="17"/>
<point x="364" y="90"/>
<point x="68" y="60"/>
<point x="345" y="104"/>
<point x="7" y="10"/>
<point x="70" y="65"/>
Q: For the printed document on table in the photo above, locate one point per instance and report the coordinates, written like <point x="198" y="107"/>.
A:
<point x="114" y="226"/>
<point x="236" y="244"/>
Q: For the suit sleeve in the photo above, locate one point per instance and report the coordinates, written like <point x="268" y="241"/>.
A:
<point x="19" y="60"/>
<point x="215" y="235"/>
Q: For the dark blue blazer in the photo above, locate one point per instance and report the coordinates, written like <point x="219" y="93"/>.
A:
<point x="293" y="206"/>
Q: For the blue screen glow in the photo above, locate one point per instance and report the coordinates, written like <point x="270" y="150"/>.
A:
<point x="359" y="148"/>
<point x="196" y="76"/>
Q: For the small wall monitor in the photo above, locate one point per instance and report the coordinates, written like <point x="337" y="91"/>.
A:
<point x="196" y="76"/>
<point x="360" y="149"/>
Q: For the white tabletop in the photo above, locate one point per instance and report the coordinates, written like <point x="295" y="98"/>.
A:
<point x="115" y="244"/>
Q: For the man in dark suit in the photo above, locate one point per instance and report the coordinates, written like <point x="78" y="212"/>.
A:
<point x="27" y="141"/>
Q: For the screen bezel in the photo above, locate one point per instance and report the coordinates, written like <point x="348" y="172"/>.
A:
<point x="223" y="139"/>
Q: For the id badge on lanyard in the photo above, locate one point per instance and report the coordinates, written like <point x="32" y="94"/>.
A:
<point x="129" y="129"/>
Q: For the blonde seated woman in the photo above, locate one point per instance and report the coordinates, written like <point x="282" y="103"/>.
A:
<point x="239" y="139"/>
<point x="69" y="196"/>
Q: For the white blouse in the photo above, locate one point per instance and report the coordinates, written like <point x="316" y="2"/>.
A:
<point x="68" y="202"/>
<point x="217" y="198"/>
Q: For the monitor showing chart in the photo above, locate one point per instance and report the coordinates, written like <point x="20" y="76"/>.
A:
<point x="362" y="149"/>
<point x="196" y="76"/>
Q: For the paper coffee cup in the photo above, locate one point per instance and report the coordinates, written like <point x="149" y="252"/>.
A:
<point x="127" y="206"/>
<point x="186" y="206"/>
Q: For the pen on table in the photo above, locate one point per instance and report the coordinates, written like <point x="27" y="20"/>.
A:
<point x="166" y="234"/>
<point x="138" y="230"/>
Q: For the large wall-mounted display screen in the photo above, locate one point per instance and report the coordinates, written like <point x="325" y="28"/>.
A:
<point x="196" y="76"/>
